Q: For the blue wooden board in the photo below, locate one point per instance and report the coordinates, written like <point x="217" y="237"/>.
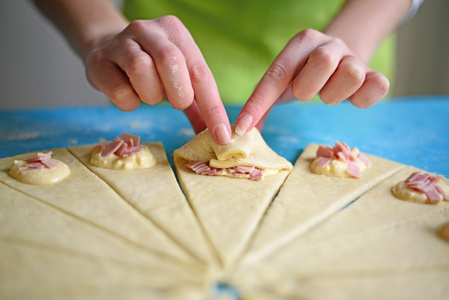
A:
<point x="412" y="131"/>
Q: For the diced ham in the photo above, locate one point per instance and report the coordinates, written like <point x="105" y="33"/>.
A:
<point x="40" y="161"/>
<point x="354" y="170"/>
<point x="49" y="163"/>
<point x="126" y="146"/>
<point x="427" y="184"/>
<point x="325" y="151"/>
<point x="135" y="139"/>
<point x="323" y="162"/>
<point x="364" y="160"/>
<point x="342" y="152"/>
<point x="203" y="168"/>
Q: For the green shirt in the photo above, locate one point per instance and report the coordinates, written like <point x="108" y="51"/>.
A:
<point x="240" y="38"/>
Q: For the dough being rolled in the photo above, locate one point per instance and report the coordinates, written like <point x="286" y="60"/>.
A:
<point x="230" y="209"/>
<point x="247" y="150"/>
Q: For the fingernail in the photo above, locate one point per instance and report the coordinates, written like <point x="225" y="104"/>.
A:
<point x="222" y="133"/>
<point x="243" y="124"/>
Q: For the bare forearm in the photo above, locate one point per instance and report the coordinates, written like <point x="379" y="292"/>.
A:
<point x="83" y="22"/>
<point x="363" y="24"/>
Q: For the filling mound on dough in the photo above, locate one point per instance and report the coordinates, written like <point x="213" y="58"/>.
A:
<point x="125" y="153"/>
<point x="202" y="168"/>
<point x="246" y="156"/>
<point x="422" y="188"/>
<point x="339" y="161"/>
<point x="39" y="169"/>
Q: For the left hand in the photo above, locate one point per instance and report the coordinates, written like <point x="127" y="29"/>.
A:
<point x="313" y="63"/>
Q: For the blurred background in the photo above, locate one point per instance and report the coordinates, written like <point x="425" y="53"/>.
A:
<point x="39" y="69"/>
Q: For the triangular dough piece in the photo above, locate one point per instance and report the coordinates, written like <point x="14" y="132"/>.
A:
<point x="307" y="199"/>
<point x="229" y="209"/>
<point x="156" y="194"/>
<point x="24" y="268"/>
<point x="415" y="285"/>
<point x="377" y="234"/>
<point x="29" y="221"/>
<point x="87" y="197"/>
<point x="108" y="292"/>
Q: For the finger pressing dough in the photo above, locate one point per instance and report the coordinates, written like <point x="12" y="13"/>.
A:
<point x="307" y="198"/>
<point x="229" y="209"/>
<point x="87" y="197"/>
<point x="156" y="194"/>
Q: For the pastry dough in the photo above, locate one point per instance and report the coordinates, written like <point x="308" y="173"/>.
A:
<point x="30" y="272"/>
<point x="87" y="197"/>
<point x="28" y="221"/>
<point x="229" y="209"/>
<point x="376" y="235"/>
<point x="156" y="194"/>
<point x="307" y="199"/>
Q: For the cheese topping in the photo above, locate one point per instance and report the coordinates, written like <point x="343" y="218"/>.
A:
<point x="124" y="153"/>
<point x="141" y="159"/>
<point x="39" y="169"/>
<point x="421" y="188"/>
<point x="339" y="161"/>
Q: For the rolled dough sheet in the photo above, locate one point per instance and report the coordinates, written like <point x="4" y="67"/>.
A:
<point x="306" y="199"/>
<point x="229" y="209"/>
<point x="416" y="285"/>
<point x="27" y="220"/>
<point x="155" y="193"/>
<point x="24" y="268"/>
<point x="109" y="292"/>
<point x="377" y="234"/>
<point x="87" y="197"/>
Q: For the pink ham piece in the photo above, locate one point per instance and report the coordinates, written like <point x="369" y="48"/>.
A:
<point x="427" y="184"/>
<point x="342" y="152"/>
<point x="40" y="161"/>
<point x="126" y="146"/>
<point x="203" y="168"/>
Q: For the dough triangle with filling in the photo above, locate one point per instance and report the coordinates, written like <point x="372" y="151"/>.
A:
<point x="87" y="197"/>
<point x="376" y="235"/>
<point x="307" y="199"/>
<point x="156" y="194"/>
<point x="230" y="209"/>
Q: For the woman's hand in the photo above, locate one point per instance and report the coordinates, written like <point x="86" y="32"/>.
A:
<point x="155" y="59"/>
<point x="313" y="63"/>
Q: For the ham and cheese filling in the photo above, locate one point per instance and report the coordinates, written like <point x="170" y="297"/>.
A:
<point x="339" y="161"/>
<point x="125" y="153"/>
<point x="203" y="168"/>
<point x="422" y="188"/>
<point x="39" y="169"/>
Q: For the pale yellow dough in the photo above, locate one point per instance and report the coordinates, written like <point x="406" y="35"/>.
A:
<point x="375" y="239"/>
<point x="157" y="195"/>
<point x="89" y="198"/>
<point x="142" y="159"/>
<point x="336" y="168"/>
<point x="39" y="176"/>
<point x="229" y="209"/>
<point x="306" y="199"/>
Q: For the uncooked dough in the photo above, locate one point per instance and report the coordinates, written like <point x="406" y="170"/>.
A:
<point x="155" y="193"/>
<point x="44" y="176"/>
<point x="306" y="199"/>
<point x="229" y="209"/>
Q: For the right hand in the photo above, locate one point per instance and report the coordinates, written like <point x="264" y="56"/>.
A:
<point x="155" y="59"/>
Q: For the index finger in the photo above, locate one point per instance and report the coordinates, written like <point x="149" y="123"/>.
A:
<point x="206" y="92"/>
<point x="278" y="77"/>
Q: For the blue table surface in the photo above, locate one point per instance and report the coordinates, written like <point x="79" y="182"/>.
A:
<point x="412" y="131"/>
